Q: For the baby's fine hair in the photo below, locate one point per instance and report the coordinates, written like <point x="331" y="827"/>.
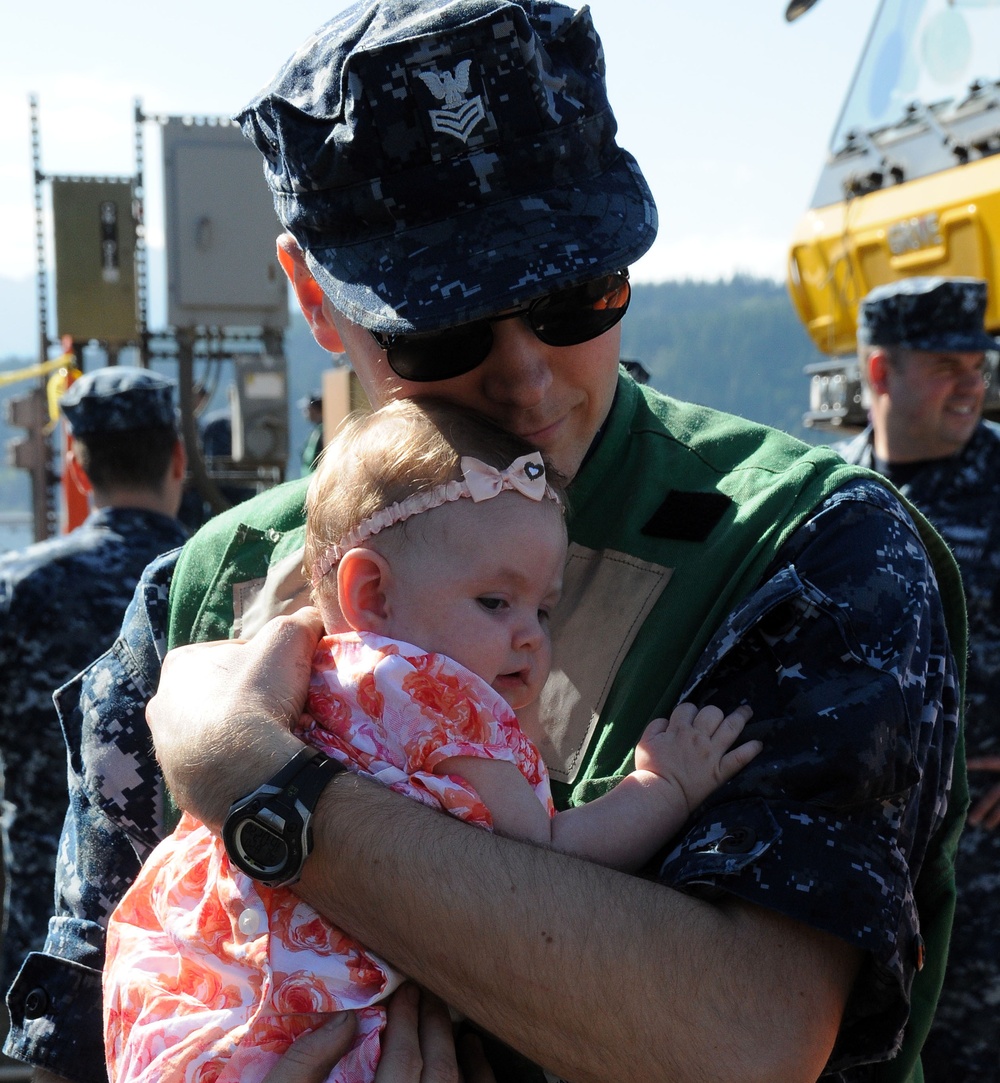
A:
<point x="380" y="458"/>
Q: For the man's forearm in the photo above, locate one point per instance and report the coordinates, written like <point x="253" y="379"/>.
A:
<point x="592" y="973"/>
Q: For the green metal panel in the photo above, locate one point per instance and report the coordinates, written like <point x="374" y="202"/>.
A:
<point x="95" y="239"/>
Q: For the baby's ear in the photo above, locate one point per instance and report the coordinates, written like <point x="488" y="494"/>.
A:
<point x="362" y="582"/>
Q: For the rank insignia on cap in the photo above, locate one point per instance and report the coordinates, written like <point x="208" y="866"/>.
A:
<point x="460" y="115"/>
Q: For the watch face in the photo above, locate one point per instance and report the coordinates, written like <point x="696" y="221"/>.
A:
<point x="266" y="834"/>
<point x="263" y="850"/>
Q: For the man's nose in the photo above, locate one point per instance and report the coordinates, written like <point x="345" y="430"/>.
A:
<point x="517" y="369"/>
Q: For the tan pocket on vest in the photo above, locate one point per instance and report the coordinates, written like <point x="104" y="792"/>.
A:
<point x="606" y="597"/>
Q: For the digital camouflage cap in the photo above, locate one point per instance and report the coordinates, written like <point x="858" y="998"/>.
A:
<point x="936" y="314"/>
<point x="118" y="398"/>
<point x="443" y="160"/>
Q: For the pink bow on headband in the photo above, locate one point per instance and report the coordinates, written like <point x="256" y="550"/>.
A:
<point x="526" y="475"/>
<point x="480" y="482"/>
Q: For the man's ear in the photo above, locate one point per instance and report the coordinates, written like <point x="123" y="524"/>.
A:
<point x="363" y="578"/>
<point x="312" y="300"/>
<point x="71" y="464"/>
<point x="878" y="371"/>
<point x="178" y="460"/>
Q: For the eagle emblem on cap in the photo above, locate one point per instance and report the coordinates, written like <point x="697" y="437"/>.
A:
<point x="460" y="114"/>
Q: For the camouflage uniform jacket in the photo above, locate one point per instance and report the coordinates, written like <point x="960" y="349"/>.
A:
<point x="61" y="605"/>
<point x="961" y="497"/>
<point x="841" y="648"/>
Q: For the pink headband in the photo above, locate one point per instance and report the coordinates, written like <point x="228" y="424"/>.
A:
<point x="525" y="475"/>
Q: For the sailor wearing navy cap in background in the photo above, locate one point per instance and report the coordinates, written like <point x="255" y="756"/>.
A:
<point x="921" y="350"/>
<point x="61" y="605"/>
<point x="921" y="346"/>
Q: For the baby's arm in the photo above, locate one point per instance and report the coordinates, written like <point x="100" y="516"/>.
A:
<point x="679" y="762"/>
<point x="513" y="803"/>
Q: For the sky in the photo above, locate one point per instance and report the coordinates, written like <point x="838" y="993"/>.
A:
<point x="727" y="107"/>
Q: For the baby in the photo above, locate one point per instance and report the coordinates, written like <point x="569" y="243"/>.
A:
<point x="435" y="543"/>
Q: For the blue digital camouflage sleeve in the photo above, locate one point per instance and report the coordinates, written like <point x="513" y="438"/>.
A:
<point x="115" y="817"/>
<point x="844" y="656"/>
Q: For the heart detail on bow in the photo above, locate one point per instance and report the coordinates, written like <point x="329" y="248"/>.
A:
<point x="525" y="475"/>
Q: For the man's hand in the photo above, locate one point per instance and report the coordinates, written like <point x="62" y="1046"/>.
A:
<point x="986" y="812"/>
<point x="310" y="1058"/>
<point x="417" y="1047"/>
<point x="221" y="717"/>
<point x="418" y="1044"/>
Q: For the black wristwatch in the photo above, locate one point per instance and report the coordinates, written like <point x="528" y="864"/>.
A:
<point x="267" y="834"/>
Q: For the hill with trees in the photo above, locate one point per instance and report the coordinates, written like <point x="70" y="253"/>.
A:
<point x="735" y="345"/>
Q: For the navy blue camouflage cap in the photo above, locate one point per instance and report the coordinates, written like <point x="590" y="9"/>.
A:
<point x="938" y="314"/>
<point x="118" y="398"/>
<point x="439" y="161"/>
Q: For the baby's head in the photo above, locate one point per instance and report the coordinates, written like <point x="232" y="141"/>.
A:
<point x="397" y="544"/>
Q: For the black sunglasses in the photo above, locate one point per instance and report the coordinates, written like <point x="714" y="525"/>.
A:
<point x="564" y="318"/>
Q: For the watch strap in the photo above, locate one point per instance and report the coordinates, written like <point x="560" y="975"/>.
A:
<point x="308" y="772"/>
<point x="296" y="765"/>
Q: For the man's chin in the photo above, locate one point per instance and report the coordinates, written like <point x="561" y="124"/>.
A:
<point x="962" y="429"/>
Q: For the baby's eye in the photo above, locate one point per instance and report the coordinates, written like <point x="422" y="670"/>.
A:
<point x="492" y="604"/>
<point x="544" y="615"/>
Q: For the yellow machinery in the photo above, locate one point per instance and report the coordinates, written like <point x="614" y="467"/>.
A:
<point x="911" y="185"/>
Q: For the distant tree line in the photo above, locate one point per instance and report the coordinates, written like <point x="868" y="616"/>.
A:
<point x="735" y="345"/>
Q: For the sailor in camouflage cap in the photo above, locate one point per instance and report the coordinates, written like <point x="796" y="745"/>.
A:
<point x="438" y="163"/>
<point x="61" y="604"/>
<point x="921" y="349"/>
<point x="119" y="398"/>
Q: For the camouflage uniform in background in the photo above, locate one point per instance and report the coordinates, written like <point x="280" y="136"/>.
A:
<point x="61" y="605"/>
<point x="961" y="497"/>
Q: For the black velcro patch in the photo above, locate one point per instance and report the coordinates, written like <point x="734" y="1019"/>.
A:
<point x="687" y="516"/>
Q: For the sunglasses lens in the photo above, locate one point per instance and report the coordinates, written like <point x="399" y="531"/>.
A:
<point x="441" y="356"/>
<point x="580" y="314"/>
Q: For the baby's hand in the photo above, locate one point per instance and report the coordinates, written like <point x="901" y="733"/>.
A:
<point x="692" y="750"/>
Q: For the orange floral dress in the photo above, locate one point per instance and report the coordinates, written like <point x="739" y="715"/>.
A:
<point x="210" y="975"/>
